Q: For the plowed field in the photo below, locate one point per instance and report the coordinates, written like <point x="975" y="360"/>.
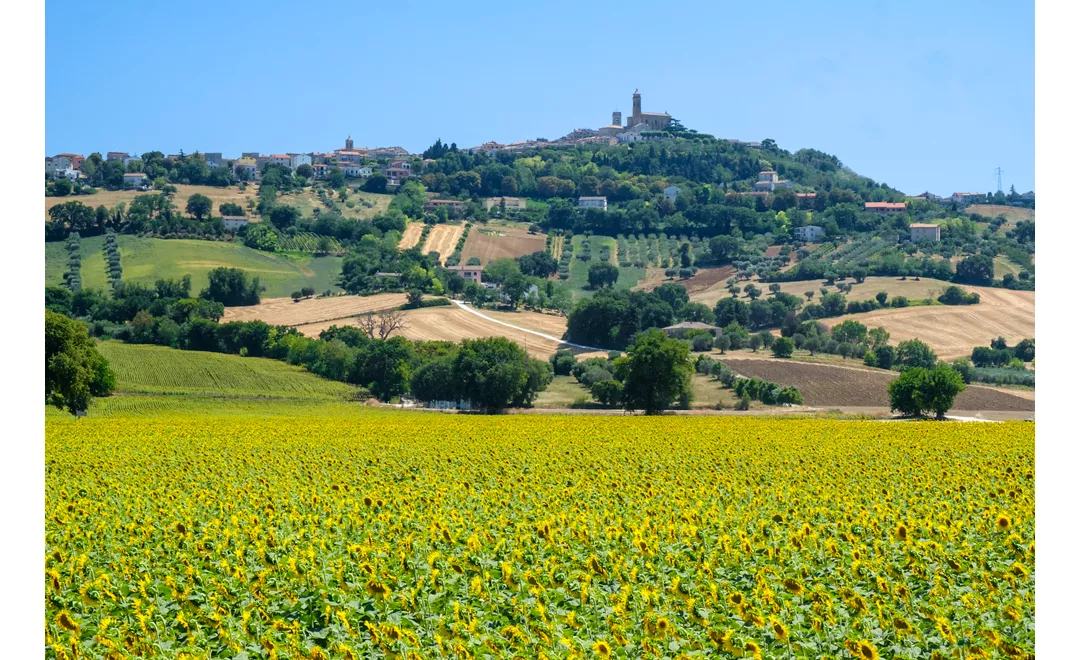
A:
<point x="283" y="311"/>
<point x="442" y="239"/>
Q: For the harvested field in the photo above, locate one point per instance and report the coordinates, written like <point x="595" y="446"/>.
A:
<point x="823" y="385"/>
<point x="707" y="284"/>
<point x="910" y="288"/>
<point x="442" y="239"/>
<point x="1012" y="214"/>
<point x="550" y="324"/>
<point x="411" y="235"/>
<point x="283" y="311"/>
<point x="511" y="242"/>
<point x="111" y="198"/>
<point x="952" y="331"/>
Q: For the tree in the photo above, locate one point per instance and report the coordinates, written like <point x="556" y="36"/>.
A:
<point x="881" y="297"/>
<point x="231" y="208"/>
<point x="729" y="310"/>
<point x="538" y="264"/>
<point x="284" y="216"/>
<point x="608" y="393"/>
<point x="812" y="344"/>
<point x="514" y="287"/>
<point x="850" y="332"/>
<point x="783" y="347"/>
<point x="1025" y="350"/>
<point x="305" y="171"/>
<point x="752" y="292"/>
<point x="382" y="324"/>
<point x="434" y="380"/>
<point x="62" y="187"/>
<point x="602" y="274"/>
<point x="914" y="353"/>
<point x="656" y="372"/>
<point x="74" y="370"/>
<point x="563" y="361"/>
<point x="230" y="287"/>
<point x="492" y="372"/>
<point x="976" y="269"/>
<point x="414" y="298"/>
<point x="199" y="206"/>
<point x="261" y="237"/>
<point x="498" y="270"/>
<point x="755" y="342"/>
<point x="919" y="389"/>
<point x="774" y="288"/>
<point x="384" y="367"/>
<point x="724" y="248"/>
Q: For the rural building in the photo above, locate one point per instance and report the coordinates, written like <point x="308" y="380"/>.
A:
<point x="279" y="159"/>
<point x="929" y="197"/>
<point x="671" y="192"/>
<point x="592" y="203"/>
<point x="134" y="179"/>
<point x="511" y="203"/>
<point x="354" y="170"/>
<point x="388" y="152"/>
<point x="487" y="148"/>
<point x="965" y="198"/>
<point x="809" y="233"/>
<point x="75" y="160"/>
<point x="319" y="170"/>
<point x="684" y="328"/>
<point x="234" y="222"/>
<point x="923" y="232"/>
<point x="58" y="164"/>
<point x="433" y="204"/>
<point x="214" y="159"/>
<point x="752" y="144"/>
<point x="247" y="167"/>
<point x="68" y="173"/>
<point x="805" y="200"/>
<point x="469" y="273"/>
<point x="885" y="207"/>
<point x="296" y="160"/>
<point x="769" y="181"/>
<point x="130" y="159"/>
<point x="398" y="170"/>
<point x="116" y="155"/>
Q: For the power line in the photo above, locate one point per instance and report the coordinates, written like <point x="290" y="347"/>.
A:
<point x="998" y="172"/>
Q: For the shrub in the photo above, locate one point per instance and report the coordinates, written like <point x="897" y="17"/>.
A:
<point x="702" y="342"/>
<point x="783" y="347"/>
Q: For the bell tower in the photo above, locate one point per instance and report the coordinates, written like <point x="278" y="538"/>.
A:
<point x="348" y="143"/>
<point x="637" y="107"/>
<point x="616" y="118"/>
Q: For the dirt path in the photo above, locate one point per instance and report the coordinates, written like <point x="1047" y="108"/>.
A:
<point x="543" y="335"/>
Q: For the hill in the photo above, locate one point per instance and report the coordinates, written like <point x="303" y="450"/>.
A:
<point x="1012" y="214"/>
<point x="147" y="259"/>
<point x="111" y="198"/>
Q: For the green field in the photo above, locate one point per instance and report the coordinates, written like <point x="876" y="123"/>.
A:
<point x="146" y="259"/>
<point x="579" y="270"/>
<point x="308" y="201"/>
<point x="155" y="380"/>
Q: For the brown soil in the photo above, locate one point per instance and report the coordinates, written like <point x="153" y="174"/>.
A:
<point x="442" y="239"/>
<point x="283" y="311"/>
<point x="823" y="385"/>
<point x="513" y="243"/>
<point x="411" y="235"/>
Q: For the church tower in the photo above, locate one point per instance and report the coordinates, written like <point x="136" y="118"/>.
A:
<point x="616" y="118"/>
<point x="637" y="109"/>
<point x="348" y="143"/>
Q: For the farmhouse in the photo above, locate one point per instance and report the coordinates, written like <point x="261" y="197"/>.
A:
<point x="76" y="160"/>
<point x="116" y="155"/>
<point x="885" y="207"/>
<point x="805" y="200"/>
<point x="924" y="232"/>
<point x="769" y="181"/>
<point x="354" y="170"/>
<point x="246" y="167"/>
<point x="592" y="203"/>
<point x="965" y="198"/>
<point x="671" y="192"/>
<point x="511" y="203"/>
<point x="134" y="179"/>
<point x="398" y="170"/>
<point x="809" y="233"/>
<point x="433" y="204"/>
<point x="214" y="158"/>
<point x="469" y="273"/>
<point x="319" y="170"/>
<point x="234" y="222"/>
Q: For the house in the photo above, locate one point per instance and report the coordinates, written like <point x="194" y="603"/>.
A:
<point x="433" y="204"/>
<point x="805" y="200"/>
<point x="923" y="232"/>
<point x="965" y="198"/>
<point x="684" y="328"/>
<point x="280" y="159"/>
<point x="885" y="207"/>
<point x="751" y="144"/>
<point x="511" y="203"/>
<point x="354" y="170"/>
<point x="134" y="179"/>
<point x="769" y="181"/>
<point x="929" y="197"/>
<point x="398" y="170"/>
<point x="234" y="222"/>
<point x="671" y="192"/>
<point x="116" y="155"/>
<point x="214" y="159"/>
<point x="469" y="273"/>
<point x="296" y="160"/>
<point x="592" y="203"/>
<point x="487" y="148"/>
<point x="76" y="160"/>
<point x="809" y="233"/>
<point x="130" y="159"/>
<point x="57" y="164"/>
<point x="68" y="173"/>
<point x="320" y="170"/>
<point x="388" y="152"/>
<point x="247" y="167"/>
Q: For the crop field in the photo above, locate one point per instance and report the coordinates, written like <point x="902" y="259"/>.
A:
<point x="506" y="242"/>
<point x="828" y="385"/>
<point x="579" y="268"/>
<point x="910" y="288"/>
<point x="283" y="311"/>
<point x="147" y="259"/>
<point x="144" y="369"/>
<point x="365" y="205"/>
<point x="952" y="331"/>
<point x="413" y="535"/>
<point x="411" y="235"/>
<point x="442" y="239"/>
<point x="1012" y="214"/>
<point x="111" y="198"/>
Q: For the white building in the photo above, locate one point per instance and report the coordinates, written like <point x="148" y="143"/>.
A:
<point x="57" y="164"/>
<point x="592" y="203"/>
<point x="924" y="232"/>
<point x="511" y="203"/>
<point x="214" y="159"/>
<point x="296" y="160"/>
<point x="809" y="233"/>
<point x="134" y="179"/>
<point x="234" y="222"/>
<point x="671" y="192"/>
<point x="353" y="170"/>
<point x="279" y="159"/>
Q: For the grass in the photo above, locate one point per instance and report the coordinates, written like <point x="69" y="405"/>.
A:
<point x="579" y="270"/>
<point x="560" y="393"/>
<point x="1003" y="265"/>
<point x="307" y="201"/>
<point x="111" y="198"/>
<point x="147" y="259"/>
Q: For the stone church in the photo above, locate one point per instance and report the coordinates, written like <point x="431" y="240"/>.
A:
<point x="638" y="121"/>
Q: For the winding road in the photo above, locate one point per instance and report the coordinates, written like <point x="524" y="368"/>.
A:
<point x="553" y="338"/>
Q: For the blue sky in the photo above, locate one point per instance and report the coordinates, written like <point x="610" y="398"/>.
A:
<point x="919" y="95"/>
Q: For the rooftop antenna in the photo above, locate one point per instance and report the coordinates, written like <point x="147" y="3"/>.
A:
<point x="998" y="172"/>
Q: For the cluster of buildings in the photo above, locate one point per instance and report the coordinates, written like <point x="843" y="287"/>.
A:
<point x="965" y="198"/>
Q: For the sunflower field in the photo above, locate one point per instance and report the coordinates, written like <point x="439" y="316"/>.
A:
<point x="411" y="535"/>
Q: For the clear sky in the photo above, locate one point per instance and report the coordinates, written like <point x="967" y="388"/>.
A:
<point x="918" y="95"/>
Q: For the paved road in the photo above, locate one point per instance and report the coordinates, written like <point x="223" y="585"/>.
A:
<point x="560" y="340"/>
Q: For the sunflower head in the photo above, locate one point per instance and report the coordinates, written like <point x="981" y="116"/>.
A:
<point x="1003" y="521"/>
<point x="737" y="599"/>
<point x="793" y="586"/>
<point x="602" y="649"/>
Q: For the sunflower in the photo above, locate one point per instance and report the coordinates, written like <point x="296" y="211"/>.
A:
<point x="66" y="622"/>
<point x="902" y="626"/>
<point x="663" y="626"/>
<point x="737" y="599"/>
<point x="901" y="532"/>
<point x="779" y="630"/>
<point x="602" y="649"/>
<point x="862" y="649"/>
<point x="752" y="650"/>
<point x="1003" y="521"/>
<point x="377" y="589"/>
<point x="793" y="586"/>
<point x="946" y="630"/>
